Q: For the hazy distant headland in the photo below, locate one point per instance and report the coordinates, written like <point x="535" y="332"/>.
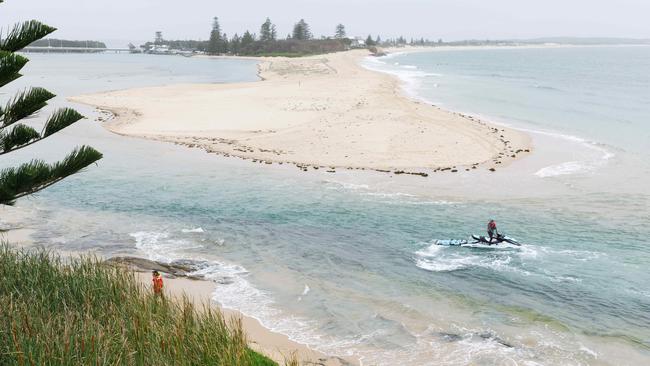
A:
<point x="62" y="45"/>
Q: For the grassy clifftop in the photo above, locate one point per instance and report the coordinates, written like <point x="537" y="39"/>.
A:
<point x="83" y="312"/>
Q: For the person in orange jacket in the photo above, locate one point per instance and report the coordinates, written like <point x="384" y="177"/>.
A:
<point x="157" y="283"/>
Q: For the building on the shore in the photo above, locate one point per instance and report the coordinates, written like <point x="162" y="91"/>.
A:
<point x="157" y="49"/>
<point x="357" y="42"/>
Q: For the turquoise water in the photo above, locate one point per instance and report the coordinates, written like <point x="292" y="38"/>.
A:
<point x="345" y="261"/>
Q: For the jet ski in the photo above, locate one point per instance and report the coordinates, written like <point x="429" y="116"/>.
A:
<point x="479" y="241"/>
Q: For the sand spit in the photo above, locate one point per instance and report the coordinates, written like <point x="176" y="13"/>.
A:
<point x="321" y="112"/>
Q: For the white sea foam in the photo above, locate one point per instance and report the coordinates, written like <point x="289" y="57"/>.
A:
<point x="589" y="351"/>
<point x="152" y="245"/>
<point x="569" y="167"/>
<point x="410" y="76"/>
<point x="574" y="167"/>
<point x="438" y="258"/>
<point x="443" y="266"/>
<point x="332" y="184"/>
<point x="304" y="292"/>
<point x="195" y="230"/>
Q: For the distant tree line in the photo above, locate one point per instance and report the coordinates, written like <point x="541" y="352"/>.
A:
<point x="267" y="42"/>
<point x="299" y="42"/>
<point x="67" y="43"/>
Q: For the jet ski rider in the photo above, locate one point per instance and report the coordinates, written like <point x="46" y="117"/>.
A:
<point x="492" y="230"/>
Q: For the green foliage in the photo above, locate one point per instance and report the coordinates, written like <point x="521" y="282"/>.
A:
<point x="36" y="175"/>
<point x="19" y="135"/>
<point x="31" y="177"/>
<point x="235" y="44"/>
<point x="60" y="120"/>
<point x="340" y="32"/>
<point x="301" y="31"/>
<point x="291" y="47"/>
<point x="23" y="105"/>
<point x="83" y="312"/>
<point x="247" y="39"/>
<point x="267" y="31"/>
<point x="21" y="35"/>
<point x="217" y="43"/>
<point x="10" y="65"/>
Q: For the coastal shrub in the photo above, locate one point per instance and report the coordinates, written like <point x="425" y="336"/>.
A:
<point x="83" y="312"/>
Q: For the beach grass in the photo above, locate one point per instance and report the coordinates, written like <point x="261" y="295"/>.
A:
<point x="60" y="311"/>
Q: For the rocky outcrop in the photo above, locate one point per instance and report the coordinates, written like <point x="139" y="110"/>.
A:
<point x="180" y="268"/>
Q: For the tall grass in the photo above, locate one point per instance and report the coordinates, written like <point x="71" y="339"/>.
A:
<point x="82" y="312"/>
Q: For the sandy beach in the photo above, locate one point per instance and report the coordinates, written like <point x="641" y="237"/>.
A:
<point x="323" y="111"/>
<point x="274" y="345"/>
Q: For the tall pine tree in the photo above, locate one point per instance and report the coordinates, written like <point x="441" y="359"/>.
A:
<point x="301" y="31"/>
<point x="340" y="32"/>
<point x="35" y="175"/>
<point x="214" y="44"/>
<point x="267" y="31"/>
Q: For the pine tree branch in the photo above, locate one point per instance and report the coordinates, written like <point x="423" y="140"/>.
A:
<point x="24" y="104"/>
<point x="10" y="65"/>
<point x="19" y="137"/>
<point x="37" y="175"/>
<point x="23" y="34"/>
<point x="60" y="120"/>
<point x="22" y="136"/>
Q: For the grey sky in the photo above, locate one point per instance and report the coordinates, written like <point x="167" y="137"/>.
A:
<point x="118" y="21"/>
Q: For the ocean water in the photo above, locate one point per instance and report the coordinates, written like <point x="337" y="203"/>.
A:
<point x="345" y="262"/>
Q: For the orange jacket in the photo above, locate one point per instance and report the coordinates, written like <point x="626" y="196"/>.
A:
<point x="157" y="284"/>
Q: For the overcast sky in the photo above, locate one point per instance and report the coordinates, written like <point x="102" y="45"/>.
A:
<point x="120" y="21"/>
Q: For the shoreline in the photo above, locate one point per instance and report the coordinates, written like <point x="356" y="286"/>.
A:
<point x="321" y="112"/>
<point x="274" y="345"/>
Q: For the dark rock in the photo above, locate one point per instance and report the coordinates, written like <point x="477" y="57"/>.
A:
<point x="176" y="269"/>
<point x="450" y="337"/>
